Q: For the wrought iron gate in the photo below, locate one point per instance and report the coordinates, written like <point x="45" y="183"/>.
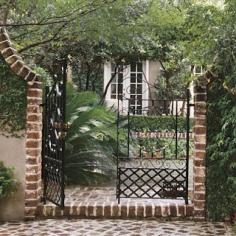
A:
<point x="53" y="145"/>
<point x="153" y="163"/>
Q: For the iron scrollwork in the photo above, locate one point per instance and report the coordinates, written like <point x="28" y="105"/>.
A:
<point x="53" y="145"/>
<point x="154" y="172"/>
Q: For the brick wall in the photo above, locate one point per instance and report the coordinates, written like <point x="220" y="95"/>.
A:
<point x="33" y="123"/>
<point x="199" y="169"/>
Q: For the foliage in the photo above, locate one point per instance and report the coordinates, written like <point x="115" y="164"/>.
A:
<point x="12" y="101"/>
<point x="7" y="181"/>
<point x="91" y="140"/>
<point x="92" y="32"/>
<point x="221" y="153"/>
<point x="158" y="123"/>
<point x="202" y="26"/>
<point x="160" y="147"/>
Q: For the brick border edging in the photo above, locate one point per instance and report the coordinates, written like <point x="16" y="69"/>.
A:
<point x="112" y="210"/>
<point x="200" y="134"/>
<point x="33" y="123"/>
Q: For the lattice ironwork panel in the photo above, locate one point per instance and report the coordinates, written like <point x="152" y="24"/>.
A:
<point x="152" y="183"/>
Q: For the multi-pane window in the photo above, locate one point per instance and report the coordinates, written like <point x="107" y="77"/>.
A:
<point x="136" y="87"/>
<point x="198" y="70"/>
<point x="117" y="82"/>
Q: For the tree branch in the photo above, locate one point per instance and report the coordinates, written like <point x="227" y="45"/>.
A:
<point x="32" y="24"/>
<point x="162" y="65"/>
<point x="41" y="23"/>
<point x="54" y="37"/>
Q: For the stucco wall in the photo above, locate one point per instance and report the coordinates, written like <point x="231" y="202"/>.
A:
<point x="154" y="73"/>
<point x="12" y="153"/>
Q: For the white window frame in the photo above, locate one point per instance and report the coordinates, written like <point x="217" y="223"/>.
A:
<point x="201" y="70"/>
<point x="126" y="85"/>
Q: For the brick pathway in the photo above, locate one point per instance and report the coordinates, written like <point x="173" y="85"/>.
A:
<point x="76" y="194"/>
<point x="113" y="228"/>
<point x="101" y="202"/>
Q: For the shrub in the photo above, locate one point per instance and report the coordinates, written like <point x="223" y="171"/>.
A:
<point x="221" y="153"/>
<point x="151" y="145"/>
<point x="7" y="181"/>
<point x="221" y="123"/>
<point x="158" y="123"/>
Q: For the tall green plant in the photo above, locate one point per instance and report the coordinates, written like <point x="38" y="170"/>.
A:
<point x="91" y="139"/>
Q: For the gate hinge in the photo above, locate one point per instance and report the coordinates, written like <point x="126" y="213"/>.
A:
<point x="43" y="199"/>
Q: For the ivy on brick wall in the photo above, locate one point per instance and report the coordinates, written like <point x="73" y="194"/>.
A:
<point x="12" y="101"/>
<point x="221" y="153"/>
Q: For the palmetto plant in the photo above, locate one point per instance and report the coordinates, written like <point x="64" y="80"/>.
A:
<point x="91" y="139"/>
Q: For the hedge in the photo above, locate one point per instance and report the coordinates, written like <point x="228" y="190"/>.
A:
<point x="158" y="123"/>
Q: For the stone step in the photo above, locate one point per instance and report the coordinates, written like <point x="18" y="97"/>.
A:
<point x="107" y="211"/>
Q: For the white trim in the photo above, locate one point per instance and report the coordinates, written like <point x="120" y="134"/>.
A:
<point x="146" y="83"/>
<point x="127" y="84"/>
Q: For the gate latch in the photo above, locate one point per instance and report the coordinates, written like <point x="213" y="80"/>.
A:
<point x="63" y="127"/>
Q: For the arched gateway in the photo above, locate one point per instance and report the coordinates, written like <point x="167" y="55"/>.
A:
<point x="53" y="144"/>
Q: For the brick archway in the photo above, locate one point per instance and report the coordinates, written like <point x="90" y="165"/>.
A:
<point x="33" y="184"/>
<point x="33" y="123"/>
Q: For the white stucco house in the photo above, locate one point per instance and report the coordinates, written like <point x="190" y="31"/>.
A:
<point x="136" y="84"/>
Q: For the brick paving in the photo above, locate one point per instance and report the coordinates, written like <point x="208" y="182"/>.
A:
<point x="101" y="202"/>
<point x="76" y="194"/>
<point x="113" y="228"/>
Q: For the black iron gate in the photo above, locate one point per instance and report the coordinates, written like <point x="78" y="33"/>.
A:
<point x="154" y="162"/>
<point x="53" y="145"/>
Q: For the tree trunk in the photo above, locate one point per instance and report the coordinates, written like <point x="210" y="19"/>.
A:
<point x="88" y="76"/>
<point x="108" y="84"/>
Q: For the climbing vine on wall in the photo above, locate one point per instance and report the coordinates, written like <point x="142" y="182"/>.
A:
<point x="12" y="101"/>
<point x="221" y="153"/>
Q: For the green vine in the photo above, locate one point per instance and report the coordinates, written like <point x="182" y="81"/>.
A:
<point x="12" y="101"/>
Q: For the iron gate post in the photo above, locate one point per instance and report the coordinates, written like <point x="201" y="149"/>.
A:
<point x="64" y="74"/>
<point x="128" y="130"/>
<point x="187" y="144"/>
<point x="44" y="133"/>
<point x="117" y="153"/>
<point x="176" y="129"/>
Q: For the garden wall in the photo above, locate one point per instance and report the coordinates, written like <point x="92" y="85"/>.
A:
<point x="12" y="153"/>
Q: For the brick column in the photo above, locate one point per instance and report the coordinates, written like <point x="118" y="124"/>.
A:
<point x="33" y="149"/>
<point x="199" y="168"/>
<point x="33" y="123"/>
